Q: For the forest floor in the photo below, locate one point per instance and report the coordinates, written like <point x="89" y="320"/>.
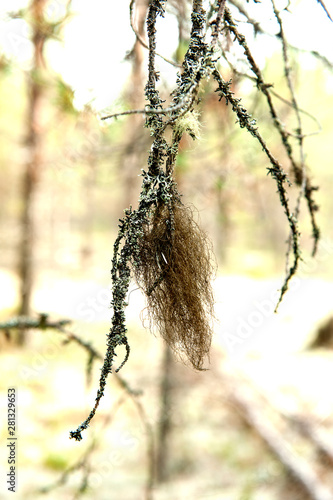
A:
<point x="212" y="452"/>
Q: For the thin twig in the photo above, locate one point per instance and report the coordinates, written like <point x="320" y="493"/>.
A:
<point x="312" y="207"/>
<point x="258" y="29"/>
<point x="299" y="171"/>
<point x="217" y="22"/>
<point x="154" y="111"/>
<point x="42" y="322"/>
<point x="301" y="168"/>
<point x="270" y="88"/>
<point x="141" y="40"/>
<point x="82" y="463"/>
<point x="325" y="9"/>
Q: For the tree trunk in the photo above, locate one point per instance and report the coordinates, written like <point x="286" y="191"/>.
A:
<point x="164" y="426"/>
<point x="89" y="182"/>
<point x="33" y="164"/>
<point x="135" y="146"/>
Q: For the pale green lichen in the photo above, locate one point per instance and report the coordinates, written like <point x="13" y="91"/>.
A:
<point x="189" y="123"/>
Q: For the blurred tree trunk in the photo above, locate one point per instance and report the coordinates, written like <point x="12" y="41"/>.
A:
<point x="222" y="216"/>
<point x="90" y="160"/>
<point x="89" y="183"/>
<point x="165" y="423"/>
<point x="134" y="148"/>
<point x="222" y="191"/>
<point x="32" y="168"/>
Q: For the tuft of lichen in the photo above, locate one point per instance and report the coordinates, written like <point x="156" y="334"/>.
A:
<point x="188" y="123"/>
<point x="175" y="268"/>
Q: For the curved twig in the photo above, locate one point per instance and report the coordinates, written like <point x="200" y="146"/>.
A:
<point x="143" y="43"/>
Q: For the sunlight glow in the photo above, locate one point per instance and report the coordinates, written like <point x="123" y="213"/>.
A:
<point x="91" y="54"/>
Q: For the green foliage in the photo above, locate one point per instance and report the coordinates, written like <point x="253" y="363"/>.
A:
<point x="56" y="461"/>
<point x="64" y="98"/>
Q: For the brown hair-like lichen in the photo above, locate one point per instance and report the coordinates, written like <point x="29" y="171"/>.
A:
<point x="174" y="268"/>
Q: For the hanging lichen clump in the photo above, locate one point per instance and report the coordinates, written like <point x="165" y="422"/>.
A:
<point x="174" y="269"/>
<point x="159" y="243"/>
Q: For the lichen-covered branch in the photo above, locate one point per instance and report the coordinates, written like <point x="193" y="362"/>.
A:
<point x="159" y="243"/>
<point x="275" y="169"/>
<point x="140" y="39"/>
<point x="42" y="322"/>
<point x="299" y="171"/>
<point x="156" y="239"/>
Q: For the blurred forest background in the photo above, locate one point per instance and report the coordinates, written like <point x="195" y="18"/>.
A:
<point x="66" y="178"/>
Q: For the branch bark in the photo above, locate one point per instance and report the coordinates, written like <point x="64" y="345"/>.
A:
<point x="243" y="396"/>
